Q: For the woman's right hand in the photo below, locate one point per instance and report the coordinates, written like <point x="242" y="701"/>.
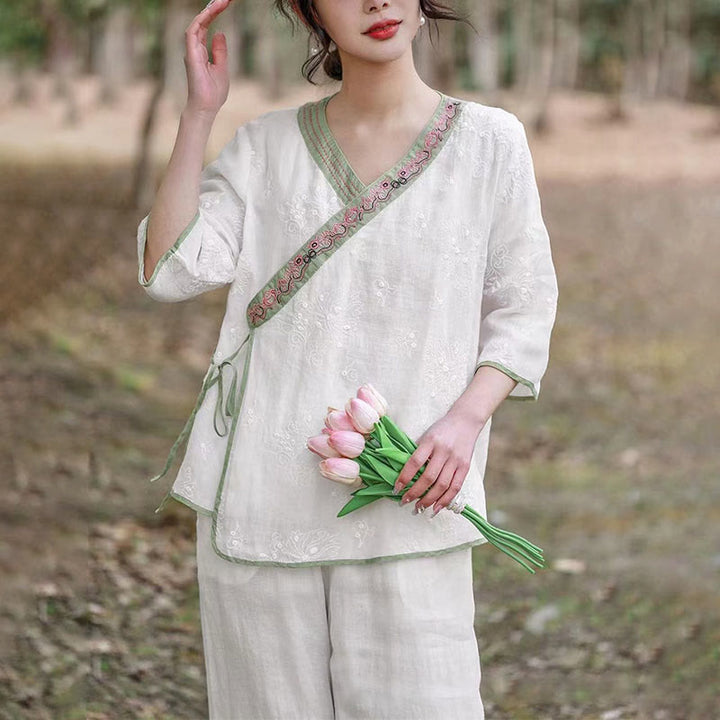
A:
<point x="208" y="83"/>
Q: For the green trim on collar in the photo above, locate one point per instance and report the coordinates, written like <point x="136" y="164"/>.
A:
<point x="322" y="148"/>
<point x="327" y="153"/>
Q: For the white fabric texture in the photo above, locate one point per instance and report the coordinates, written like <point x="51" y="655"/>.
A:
<point x="379" y="641"/>
<point x="454" y="273"/>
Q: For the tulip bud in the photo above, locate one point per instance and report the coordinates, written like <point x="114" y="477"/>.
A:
<point x="362" y="415"/>
<point x="338" y="420"/>
<point x="347" y="442"/>
<point x="320" y="446"/>
<point x="372" y="397"/>
<point x="342" y="470"/>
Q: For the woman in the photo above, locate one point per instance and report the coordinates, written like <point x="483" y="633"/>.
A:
<point x="388" y="234"/>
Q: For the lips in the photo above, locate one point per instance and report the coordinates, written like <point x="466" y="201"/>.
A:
<point x="383" y="25"/>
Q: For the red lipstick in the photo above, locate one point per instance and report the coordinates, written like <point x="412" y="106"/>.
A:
<point x="383" y="30"/>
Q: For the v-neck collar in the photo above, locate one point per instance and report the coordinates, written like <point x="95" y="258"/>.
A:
<point x="327" y="153"/>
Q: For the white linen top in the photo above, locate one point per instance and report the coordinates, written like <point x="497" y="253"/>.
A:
<point x="410" y="283"/>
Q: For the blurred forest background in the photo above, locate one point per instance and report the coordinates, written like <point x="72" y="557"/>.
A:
<point x="614" y="471"/>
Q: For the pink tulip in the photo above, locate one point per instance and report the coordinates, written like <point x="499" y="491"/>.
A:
<point x="338" y="420"/>
<point x="363" y="415"/>
<point x="372" y="397"/>
<point x="320" y="446"/>
<point x="347" y="442"/>
<point x="326" y="430"/>
<point x="342" y="470"/>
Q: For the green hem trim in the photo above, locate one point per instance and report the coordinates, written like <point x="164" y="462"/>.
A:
<point x="313" y="563"/>
<point x="514" y="376"/>
<point x="190" y="504"/>
<point x="163" y="259"/>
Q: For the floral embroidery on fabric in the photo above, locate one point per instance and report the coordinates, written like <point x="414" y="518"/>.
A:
<point x="362" y="531"/>
<point x="303" y="546"/>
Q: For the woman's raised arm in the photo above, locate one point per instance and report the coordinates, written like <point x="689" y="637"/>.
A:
<point x="176" y="201"/>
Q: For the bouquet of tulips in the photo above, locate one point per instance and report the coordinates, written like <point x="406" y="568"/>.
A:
<point x="362" y="448"/>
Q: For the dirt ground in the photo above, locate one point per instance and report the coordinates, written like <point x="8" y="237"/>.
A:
<point x="614" y="471"/>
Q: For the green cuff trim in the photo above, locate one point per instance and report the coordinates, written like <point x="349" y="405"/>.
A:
<point x="514" y="376"/>
<point x="166" y="255"/>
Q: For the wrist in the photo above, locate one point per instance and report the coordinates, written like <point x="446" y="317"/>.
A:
<point x="198" y="117"/>
<point x="472" y="415"/>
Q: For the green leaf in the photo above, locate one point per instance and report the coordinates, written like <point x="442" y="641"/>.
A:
<point x="393" y="453"/>
<point x="383" y="437"/>
<point x="392" y="463"/>
<point x="377" y="490"/>
<point x="385" y="473"/>
<point x="355" y="503"/>
<point x="400" y="437"/>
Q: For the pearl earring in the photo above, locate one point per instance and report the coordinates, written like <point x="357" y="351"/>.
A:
<point x="422" y="20"/>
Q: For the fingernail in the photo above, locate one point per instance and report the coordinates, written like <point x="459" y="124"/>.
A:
<point x="435" y="511"/>
<point x="396" y="490"/>
<point x="405" y="499"/>
<point x="415" y="510"/>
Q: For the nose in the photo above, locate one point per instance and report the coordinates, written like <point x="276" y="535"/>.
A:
<point x="375" y="6"/>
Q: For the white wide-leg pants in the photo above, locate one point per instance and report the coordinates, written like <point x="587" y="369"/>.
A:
<point x="390" y="640"/>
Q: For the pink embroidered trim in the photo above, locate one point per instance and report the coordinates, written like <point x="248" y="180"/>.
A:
<point x="290" y="278"/>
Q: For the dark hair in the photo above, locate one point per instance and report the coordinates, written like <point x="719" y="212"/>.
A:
<point x="330" y="60"/>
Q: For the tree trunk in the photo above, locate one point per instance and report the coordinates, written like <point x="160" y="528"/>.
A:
<point x="143" y="186"/>
<point x="115" y="53"/>
<point x="542" y="77"/>
<point x="633" y="81"/>
<point x="61" y="57"/>
<point x="523" y="44"/>
<point x="676" y="61"/>
<point x="654" y="32"/>
<point x="484" y="48"/>
<point x="567" y="51"/>
<point x="25" y="91"/>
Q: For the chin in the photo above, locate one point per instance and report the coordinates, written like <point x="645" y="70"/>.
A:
<point x="382" y="55"/>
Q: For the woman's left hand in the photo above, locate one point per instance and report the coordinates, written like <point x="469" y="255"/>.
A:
<point x="449" y="445"/>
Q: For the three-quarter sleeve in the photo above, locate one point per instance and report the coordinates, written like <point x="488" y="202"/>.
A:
<point x="520" y="287"/>
<point x="205" y="255"/>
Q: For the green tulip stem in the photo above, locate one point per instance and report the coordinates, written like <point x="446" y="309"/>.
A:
<point x="504" y="533"/>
